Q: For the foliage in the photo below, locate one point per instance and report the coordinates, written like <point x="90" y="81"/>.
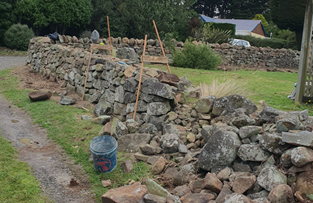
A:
<point x="288" y="14"/>
<point x="227" y="87"/>
<point x="196" y="56"/>
<point x="246" y="9"/>
<point x="7" y="18"/>
<point x="226" y="27"/>
<point x="274" y="43"/>
<point x="17" y="183"/>
<point x="194" y="25"/>
<point x="63" y="125"/>
<point x="18" y="36"/>
<point x="214" y="35"/>
<point x="10" y="52"/>
<point x="261" y="17"/>
<point x="169" y="42"/>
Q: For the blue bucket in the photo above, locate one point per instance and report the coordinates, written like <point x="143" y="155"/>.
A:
<point x="103" y="149"/>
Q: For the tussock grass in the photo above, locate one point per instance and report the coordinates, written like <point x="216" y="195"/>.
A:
<point x="226" y="87"/>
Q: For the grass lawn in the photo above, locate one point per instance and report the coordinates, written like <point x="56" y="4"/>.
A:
<point x="17" y="184"/>
<point x="66" y="128"/>
<point x="9" y="52"/>
<point x="273" y="87"/>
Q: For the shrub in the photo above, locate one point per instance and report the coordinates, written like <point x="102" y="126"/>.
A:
<point x="274" y="43"/>
<point x="226" y="27"/>
<point x="18" y="36"/>
<point x="224" y="88"/>
<point x="196" y="56"/>
<point x="214" y="35"/>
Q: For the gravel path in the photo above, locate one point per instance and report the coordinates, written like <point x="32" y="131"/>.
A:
<point x="11" y="61"/>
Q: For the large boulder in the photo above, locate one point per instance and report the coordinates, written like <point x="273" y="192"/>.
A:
<point x="131" y="194"/>
<point x="228" y="104"/>
<point x="154" y="87"/>
<point x="220" y="150"/>
<point x="39" y="95"/>
<point x="130" y="143"/>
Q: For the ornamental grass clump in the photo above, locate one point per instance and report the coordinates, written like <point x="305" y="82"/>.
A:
<point x="224" y="88"/>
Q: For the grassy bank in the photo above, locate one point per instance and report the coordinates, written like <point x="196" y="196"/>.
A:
<point x="9" y="52"/>
<point x="273" y="87"/>
<point x="65" y="127"/>
<point x="17" y="184"/>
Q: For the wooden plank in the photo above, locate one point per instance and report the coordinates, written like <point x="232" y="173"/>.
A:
<point x="305" y="46"/>
<point x="155" y="59"/>
<point x="101" y="46"/>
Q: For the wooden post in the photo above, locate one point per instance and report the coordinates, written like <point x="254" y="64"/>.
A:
<point x="87" y="72"/>
<point x="109" y="34"/>
<point x="156" y="30"/>
<point x="144" y="51"/>
<point x="304" y="56"/>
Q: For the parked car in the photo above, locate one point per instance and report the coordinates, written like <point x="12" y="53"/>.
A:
<point x="240" y="42"/>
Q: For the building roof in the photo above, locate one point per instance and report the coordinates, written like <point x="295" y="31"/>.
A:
<point x="241" y="24"/>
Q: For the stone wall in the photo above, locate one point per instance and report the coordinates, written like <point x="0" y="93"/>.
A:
<point x="254" y="57"/>
<point x="111" y="83"/>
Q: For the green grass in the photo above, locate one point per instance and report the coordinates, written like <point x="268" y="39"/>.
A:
<point x="273" y="87"/>
<point x="9" y="52"/>
<point x="65" y="128"/>
<point x="17" y="184"/>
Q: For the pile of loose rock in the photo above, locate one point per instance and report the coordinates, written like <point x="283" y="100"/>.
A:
<point x="222" y="150"/>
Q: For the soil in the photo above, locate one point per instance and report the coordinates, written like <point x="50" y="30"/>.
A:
<point x="33" y="80"/>
<point x="49" y="162"/>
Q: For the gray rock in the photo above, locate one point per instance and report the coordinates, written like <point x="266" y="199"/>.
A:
<point x="159" y="122"/>
<point x="130" y="143"/>
<point x="303" y="138"/>
<point x="301" y="156"/>
<point x="220" y="150"/>
<point x="204" y="105"/>
<point x="288" y="122"/>
<point x="119" y="94"/>
<point x="228" y="104"/>
<point x="148" y="128"/>
<point x="149" y="198"/>
<point x="251" y="152"/>
<point x="158" y="108"/>
<point x="182" y="148"/>
<point x="272" y="143"/>
<point x="131" y="85"/>
<point x="261" y="200"/>
<point x="238" y="119"/>
<point x="132" y="125"/>
<point x="108" y="96"/>
<point x="281" y="194"/>
<point x="141" y="107"/>
<point x="207" y="131"/>
<point x="147" y="149"/>
<point x="129" y="97"/>
<point x="95" y="97"/>
<point x="102" y="108"/>
<point x="261" y="194"/>
<point x="268" y="114"/>
<point x="119" y="109"/>
<point x="156" y="189"/>
<point x="154" y="87"/>
<point x="181" y="190"/>
<point x="170" y="143"/>
<point x="238" y="198"/>
<point x="102" y="120"/>
<point x="248" y="131"/>
<point x="118" y="129"/>
<point x="67" y="100"/>
<point x="285" y="159"/>
<point x="270" y="177"/>
<point x="86" y="117"/>
<point x="241" y="167"/>
<point x="127" y="53"/>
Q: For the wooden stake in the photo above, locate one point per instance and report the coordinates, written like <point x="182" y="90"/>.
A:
<point x="109" y="34"/>
<point x="87" y="72"/>
<point x="156" y="31"/>
<point x="144" y="51"/>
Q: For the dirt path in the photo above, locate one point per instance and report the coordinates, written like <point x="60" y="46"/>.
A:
<point x="49" y="162"/>
<point x="11" y="61"/>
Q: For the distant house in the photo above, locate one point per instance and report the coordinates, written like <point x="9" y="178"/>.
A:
<point x="243" y="27"/>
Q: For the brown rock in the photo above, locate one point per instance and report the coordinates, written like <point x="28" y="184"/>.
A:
<point x="196" y="185"/>
<point x="127" y="166"/>
<point x="153" y="159"/>
<point x="106" y="129"/>
<point x="168" y="78"/>
<point x="197" y="197"/>
<point x="211" y="182"/>
<point x="130" y="194"/>
<point x="281" y="194"/>
<point x="73" y="182"/>
<point x="243" y="183"/>
<point x="225" y="173"/>
<point x="158" y="167"/>
<point x="39" y="95"/>
<point x="224" y="192"/>
<point x="106" y="183"/>
<point x="129" y="71"/>
<point x="181" y="190"/>
<point x="305" y="182"/>
<point x="141" y="157"/>
<point x="191" y="137"/>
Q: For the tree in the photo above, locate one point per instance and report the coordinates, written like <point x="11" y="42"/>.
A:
<point x="247" y="9"/>
<point x="6" y="16"/>
<point x="261" y="17"/>
<point x="288" y="14"/>
<point x="212" y="8"/>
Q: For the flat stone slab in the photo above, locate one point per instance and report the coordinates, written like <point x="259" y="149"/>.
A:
<point x="303" y="138"/>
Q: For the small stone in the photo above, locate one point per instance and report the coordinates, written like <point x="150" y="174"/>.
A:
<point x="65" y="100"/>
<point x="158" y="167"/>
<point x="281" y="194"/>
<point x="153" y="159"/>
<point x="238" y="198"/>
<point x="243" y="183"/>
<point x="191" y="137"/>
<point x="181" y="190"/>
<point x="211" y="182"/>
<point x="182" y="148"/>
<point x="106" y="129"/>
<point x="106" y="183"/>
<point x="225" y="173"/>
<point x="197" y="197"/>
<point x="141" y="157"/>
<point x="86" y="117"/>
<point x="196" y="185"/>
<point x="102" y="120"/>
<point x="127" y="166"/>
<point x="248" y="131"/>
<point x="261" y="194"/>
